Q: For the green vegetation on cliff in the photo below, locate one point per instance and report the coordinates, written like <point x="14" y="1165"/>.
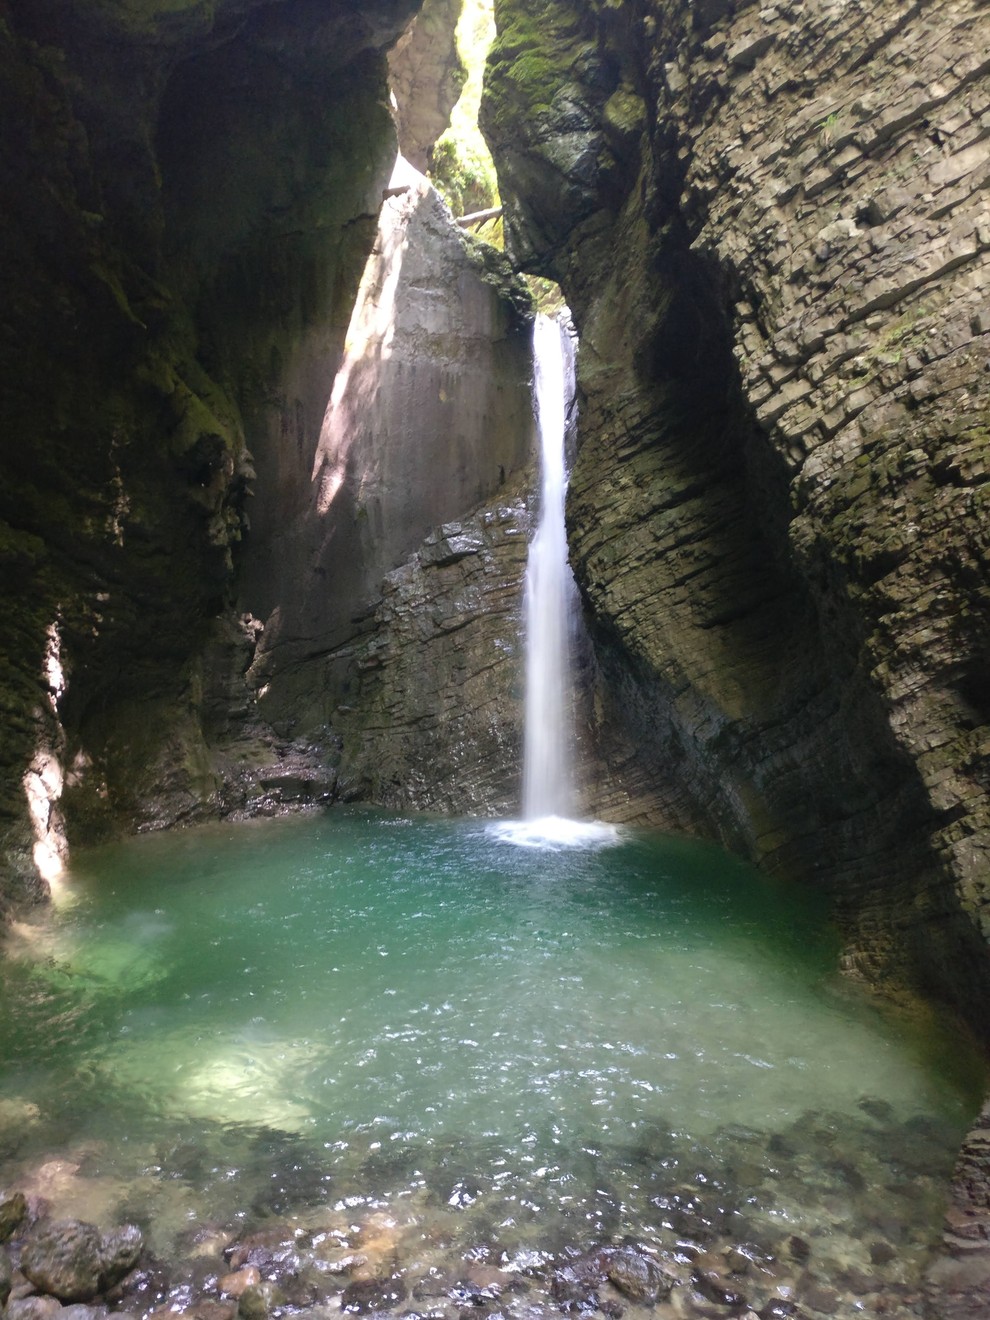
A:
<point x="461" y="166"/>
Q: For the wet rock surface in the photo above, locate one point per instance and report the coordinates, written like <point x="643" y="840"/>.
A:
<point x="431" y="714"/>
<point x="427" y="417"/>
<point x="146" y="338"/>
<point x="182" y="546"/>
<point x="775" y="245"/>
<point x="75" y="1262"/>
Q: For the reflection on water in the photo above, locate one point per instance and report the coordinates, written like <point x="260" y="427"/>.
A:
<point x="524" y="1049"/>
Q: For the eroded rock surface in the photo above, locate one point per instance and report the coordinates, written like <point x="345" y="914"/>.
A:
<point x="427" y="417"/>
<point x="74" y="1261"/>
<point x="183" y="263"/>
<point x="432" y="701"/>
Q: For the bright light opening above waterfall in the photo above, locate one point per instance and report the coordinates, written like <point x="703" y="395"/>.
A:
<point x="461" y="164"/>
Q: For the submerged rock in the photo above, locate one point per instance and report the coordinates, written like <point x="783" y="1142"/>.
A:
<point x="237" y="1283"/>
<point x="259" y="1300"/>
<point x="13" y="1212"/>
<point x="120" y="1249"/>
<point x="364" y="1296"/>
<point x="639" y="1277"/>
<point x="65" y="1260"/>
<point x="74" y="1262"/>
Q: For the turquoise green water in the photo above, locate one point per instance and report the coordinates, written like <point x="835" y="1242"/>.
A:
<point x="363" y="1012"/>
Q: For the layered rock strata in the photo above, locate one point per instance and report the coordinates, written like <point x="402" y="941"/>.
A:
<point x="430" y="714"/>
<point x="772" y="228"/>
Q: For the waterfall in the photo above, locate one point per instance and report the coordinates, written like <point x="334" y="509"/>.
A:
<point x="550" y="593"/>
<point x="549" y="611"/>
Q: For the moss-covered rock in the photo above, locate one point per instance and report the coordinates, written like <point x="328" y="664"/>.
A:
<point x="547" y="82"/>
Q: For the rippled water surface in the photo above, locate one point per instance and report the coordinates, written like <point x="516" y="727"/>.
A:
<point x="514" y="1050"/>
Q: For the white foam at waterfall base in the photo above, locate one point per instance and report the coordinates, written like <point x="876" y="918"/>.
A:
<point x="554" y="832"/>
<point x="548" y="743"/>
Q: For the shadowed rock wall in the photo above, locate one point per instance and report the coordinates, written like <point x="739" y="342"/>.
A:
<point x="771" y="226"/>
<point x="187" y="196"/>
<point x="433" y="711"/>
<point x="208" y="463"/>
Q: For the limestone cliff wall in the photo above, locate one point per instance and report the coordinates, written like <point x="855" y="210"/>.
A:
<point x="210" y="459"/>
<point x="434" y="708"/>
<point x="771" y="225"/>
<point x="427" y="75"/>
<point x="428" y="416"/>
<point x="188" y="192"/>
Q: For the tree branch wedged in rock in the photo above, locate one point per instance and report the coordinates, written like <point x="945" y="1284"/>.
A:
<point x="478" y="217"/>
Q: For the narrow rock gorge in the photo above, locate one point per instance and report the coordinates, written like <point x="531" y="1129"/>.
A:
<point x="266" y="438"/>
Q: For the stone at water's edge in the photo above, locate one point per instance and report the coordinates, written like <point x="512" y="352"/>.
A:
<point x="958" y="1284"/>
<point x="776" y="246"/>
<point x="5" y="1276"/>
<point x="13" y="1211"/>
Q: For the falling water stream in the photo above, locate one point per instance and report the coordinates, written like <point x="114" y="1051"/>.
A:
<point x="403" y="1066"/>
<point x="548" y="745"/>
<point x="548" y="797"/>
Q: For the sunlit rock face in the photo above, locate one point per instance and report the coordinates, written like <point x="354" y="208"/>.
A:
<point x="427" y="417"/>
<point x="427" y="74"/>
<point x="189" y="194"/>
<point x="771" y="226"/>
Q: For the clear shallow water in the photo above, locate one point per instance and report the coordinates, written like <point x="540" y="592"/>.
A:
<point x="525" y="1047"/>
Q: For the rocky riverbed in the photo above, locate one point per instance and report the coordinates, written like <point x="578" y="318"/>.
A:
<point x="822" y="1218"/>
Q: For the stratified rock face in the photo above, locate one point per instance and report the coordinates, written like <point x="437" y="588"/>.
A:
<point x="431" y="714"/>
<point x="958" y="1283"/>
<point x="772" y="227"/>
<point x="427" y="75"/>
<point x="427" y="417"/>
<point x="187" y="195"/>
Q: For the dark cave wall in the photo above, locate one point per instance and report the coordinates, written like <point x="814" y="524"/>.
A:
<point x="186" y="194"/>
<point x="771" y="228"/>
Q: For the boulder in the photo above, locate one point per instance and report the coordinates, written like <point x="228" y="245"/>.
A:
<point x="639" y="1277"/>
<point x="74" y="1261"/>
